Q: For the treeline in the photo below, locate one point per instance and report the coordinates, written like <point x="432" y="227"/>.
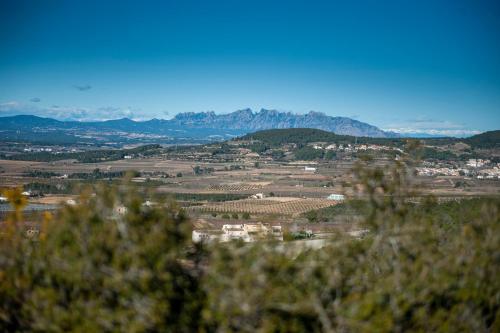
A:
<point x="98" y="174"/>
<point x="91" y="156"/>
<point x="94" y="175"/>
<point x="308" y="153"/>
<point x="41" y="174"/>
<point x="211" y="197"/>
<point x="40" y="188"/>
<point x="442" y="155"/>
<point x="428" y="153"/>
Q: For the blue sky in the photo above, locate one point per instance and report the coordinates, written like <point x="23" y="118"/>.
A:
<point x="421" y="66"/>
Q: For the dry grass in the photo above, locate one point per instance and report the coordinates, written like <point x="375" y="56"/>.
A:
<point x="53" y="199"/>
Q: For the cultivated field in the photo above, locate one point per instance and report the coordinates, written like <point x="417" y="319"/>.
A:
<point x="279" y="206"/>
<point x="237" y="187"/>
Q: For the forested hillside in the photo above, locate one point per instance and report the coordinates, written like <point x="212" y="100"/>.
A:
<point x="276" y="137"/>
<point x="489" y="139"/>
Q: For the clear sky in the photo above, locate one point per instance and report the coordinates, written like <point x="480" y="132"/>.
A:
<point x="404" y="65"/>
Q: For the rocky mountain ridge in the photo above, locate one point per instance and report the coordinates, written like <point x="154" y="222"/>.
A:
<point x="241" y="121"/>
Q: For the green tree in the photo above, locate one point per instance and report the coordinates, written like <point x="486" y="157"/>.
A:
<point x="312" y="216"/>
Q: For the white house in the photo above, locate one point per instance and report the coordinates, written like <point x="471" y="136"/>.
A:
<point x="477" y="163"/>
<point x="336" y="197"/>
<point x="249" y="232"/>
<point x="234" y="232"/>
<point x="310" y="169"/>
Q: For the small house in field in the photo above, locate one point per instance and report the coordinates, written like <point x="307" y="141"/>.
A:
<point x="336" y="197"/>
<point x="258" y="196"/>
<point x="71" y="202"/>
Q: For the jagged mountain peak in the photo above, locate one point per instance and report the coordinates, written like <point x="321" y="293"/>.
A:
<point x="246" y="119"/>
<point x="242" y="121"/>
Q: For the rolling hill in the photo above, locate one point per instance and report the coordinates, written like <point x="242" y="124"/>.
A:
<point x="490" y="139"/>
<point x="301" y="136"/>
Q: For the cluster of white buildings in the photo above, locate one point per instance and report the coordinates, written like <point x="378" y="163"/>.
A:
<point x="37" y="150"/>
<point x="493" y="173"/>
<point x="443" y="171"/>
<point x="353" y="147"/>
<point x="56" y="150"/>
<point x="477" y="163"/>
<point x="475" y="168"/>
<point x="249" y="232"/>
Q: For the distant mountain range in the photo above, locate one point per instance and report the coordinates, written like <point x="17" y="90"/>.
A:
<point x="204" y="124"/>
<point x="250" y="121"/>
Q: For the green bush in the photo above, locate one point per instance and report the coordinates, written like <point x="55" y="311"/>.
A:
<point x="312" y="216"/>
<point x="94" y="269"/>
<point x="426" y="267"/>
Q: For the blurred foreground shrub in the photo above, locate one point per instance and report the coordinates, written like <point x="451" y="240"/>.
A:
<point x="426" y="267"/>
<point x="114" y="264"/>
<point x="107" y="264"/>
